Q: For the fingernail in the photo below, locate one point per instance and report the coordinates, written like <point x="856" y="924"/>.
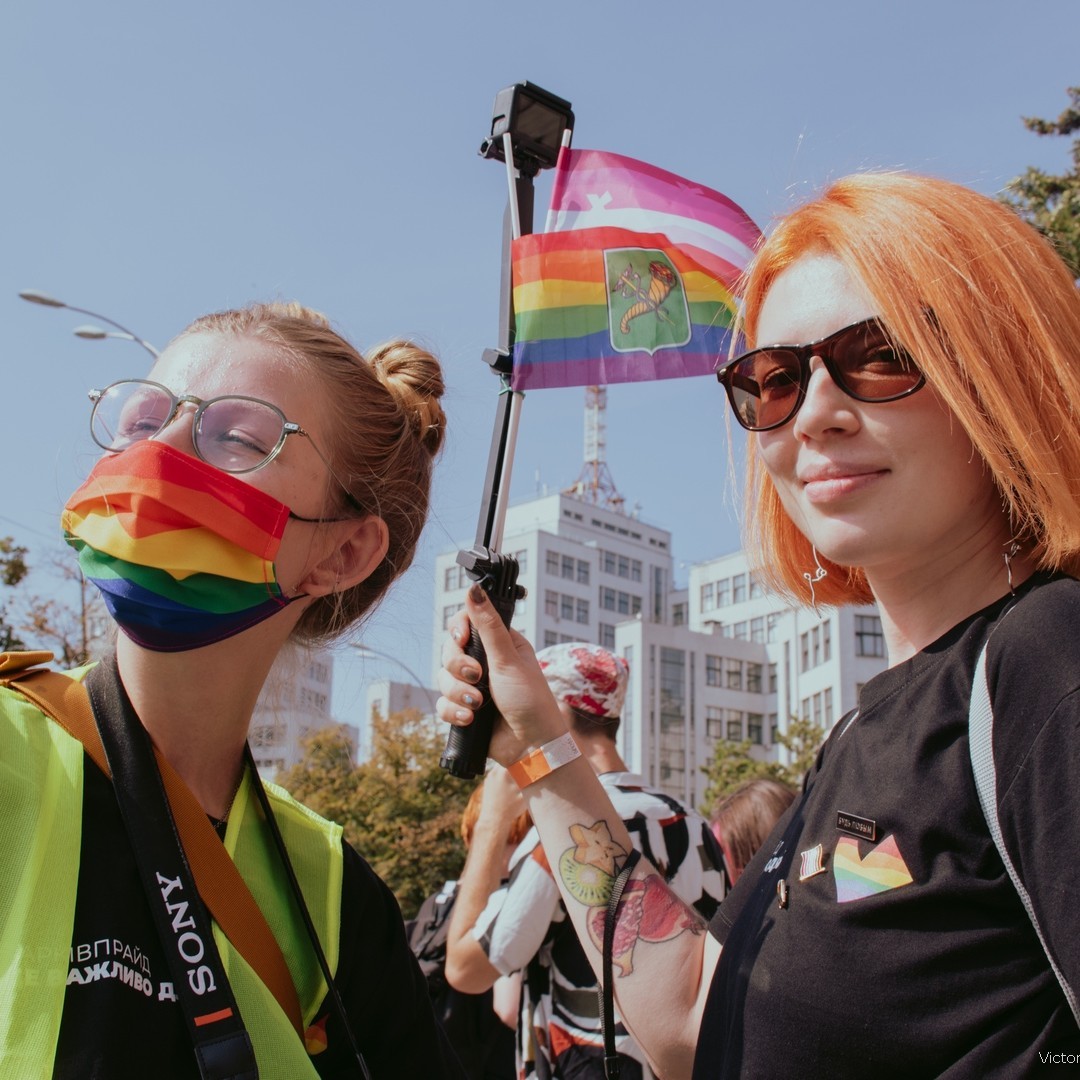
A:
<point x="462" y="715"/>
<point x="477" y="594"/>
<point x="456" y="635"/>
<point x="469" y="699"/>
<point x="471" y="674"/>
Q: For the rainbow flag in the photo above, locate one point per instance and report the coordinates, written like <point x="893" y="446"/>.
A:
<point x="632" y="279"/>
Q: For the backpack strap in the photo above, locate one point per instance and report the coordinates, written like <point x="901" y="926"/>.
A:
<point x="219" y="883"/>
<point x="981" y="744"/>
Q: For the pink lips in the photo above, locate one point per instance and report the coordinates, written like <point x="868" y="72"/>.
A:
<point x="827" y="483"/>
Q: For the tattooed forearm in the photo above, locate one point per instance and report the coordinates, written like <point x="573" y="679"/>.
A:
<point x="648" y="911"/>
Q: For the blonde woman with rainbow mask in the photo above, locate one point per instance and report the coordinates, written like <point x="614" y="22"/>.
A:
<point x="912" y="391"/>
<point x="265" y="483"/>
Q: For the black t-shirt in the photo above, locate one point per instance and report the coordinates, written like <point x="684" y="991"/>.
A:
<point x="901" y="948"/>
<point x="119" y="1022"/>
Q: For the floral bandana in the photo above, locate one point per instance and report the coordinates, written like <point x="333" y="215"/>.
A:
<point x="182" y="553"/>
<point x="586" y="677"/>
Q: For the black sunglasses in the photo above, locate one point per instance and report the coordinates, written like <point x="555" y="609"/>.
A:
<point x="766" y="386"/>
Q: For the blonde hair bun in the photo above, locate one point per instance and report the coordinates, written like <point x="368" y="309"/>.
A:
<point x="413" y="377"/>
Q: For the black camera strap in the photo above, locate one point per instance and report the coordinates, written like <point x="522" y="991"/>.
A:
<point x="222" y="1046"/>
<point x="612" y="1065"/>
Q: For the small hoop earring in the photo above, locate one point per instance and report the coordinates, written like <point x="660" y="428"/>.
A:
<point x="813" y="577"/>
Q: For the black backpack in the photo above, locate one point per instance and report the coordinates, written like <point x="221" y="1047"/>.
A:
<point x="482" y="1041"/>
<point x="427" y="939"/>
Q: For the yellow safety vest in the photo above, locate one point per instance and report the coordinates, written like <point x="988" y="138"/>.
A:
<point x="41" y="798"/>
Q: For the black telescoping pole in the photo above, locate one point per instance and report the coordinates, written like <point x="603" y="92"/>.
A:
<point x="497" y="573"/>
<point x="466" y="748"/>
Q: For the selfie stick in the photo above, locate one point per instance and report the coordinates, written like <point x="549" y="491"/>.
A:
<point x="527" y="130"/>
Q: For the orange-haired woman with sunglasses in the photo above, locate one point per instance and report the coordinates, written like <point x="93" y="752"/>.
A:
<point x="913" y="393"/>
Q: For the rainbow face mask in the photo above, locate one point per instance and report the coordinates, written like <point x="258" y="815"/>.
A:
<point x="183" y="553"/>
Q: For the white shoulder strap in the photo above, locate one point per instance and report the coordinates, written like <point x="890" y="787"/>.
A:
<point x="981" y="741"/>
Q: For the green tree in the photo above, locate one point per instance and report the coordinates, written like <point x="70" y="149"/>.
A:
<point x="732" y="763"/>
<point x="1052" y="202"/>
<point x="74" y="634"/>
<point x="13" y="568"/>
<point x="400" y="810"/>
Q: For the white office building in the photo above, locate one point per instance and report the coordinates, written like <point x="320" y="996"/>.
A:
<point x="295" y="701"/>
<point x="719" y="659"/>
<point x="586" y="568"/>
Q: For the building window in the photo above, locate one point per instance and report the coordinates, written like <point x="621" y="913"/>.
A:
<point x="774" y="728"/>
<point x="734" y="727"/>
<point x="734" y="675"/>
<point x="826" y="641"/>
<point x="772" y="678"/>
<point x="815" y="645"/>
<point x="582" y="614"/>
<point x="551" y="603"/>
<point x="455" y="578"/>
<point x="713" y="667"/>
<point x="566" y="607"/>
<point x="757" y="630"/>
<point x="678" y="614"/>
<point x="738" y="631"/>
<point x="755" y="588"/>
<point x="635" y="569"/>
<point x="550" y="638"/>
<point x="770" y="628"/>
<point x="723" y="592"/>
<point x="607" y="562"/>
<point x="714" y="722"/>
<point x="753" y="677"/>
<point x="552" y="563"/>
<point x="522" y="560"/>
<point x="738" y="588"/>
<point x="753" y="727"/>
<point x="804" y="651"/>
<point x="607" y="636"/>
<point x="829" y="715"/>
<point x="623" y="564"/>
<point x="568" y="563"/>
<point x="869" y="639"/>
<point x="672" y="695"/>
<point x="582" y="572"/>
<point x="707" y="601"/>
<point x="448" y="613"/>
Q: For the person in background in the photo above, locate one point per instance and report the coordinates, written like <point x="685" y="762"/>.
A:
<point x="480" y="1027"/>
<point x="496" y="930"/>
<point x="742" y="819"/>
<point x="911" y="390"/>
<point x="265" y="483"/>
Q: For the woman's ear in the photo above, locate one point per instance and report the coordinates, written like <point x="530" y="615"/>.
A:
<point x="354" y="560"/>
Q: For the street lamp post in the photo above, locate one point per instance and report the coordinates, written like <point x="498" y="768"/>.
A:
<point x="93" y="333"/>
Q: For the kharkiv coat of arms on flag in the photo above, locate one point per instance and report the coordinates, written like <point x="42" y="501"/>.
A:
<point x="647" y="308"/>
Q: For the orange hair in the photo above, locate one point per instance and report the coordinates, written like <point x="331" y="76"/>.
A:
<point x="520" y="826"/>
<point x="991" y="314"/>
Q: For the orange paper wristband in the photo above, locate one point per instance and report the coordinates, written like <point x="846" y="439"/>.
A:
<point x="549" y="757"/>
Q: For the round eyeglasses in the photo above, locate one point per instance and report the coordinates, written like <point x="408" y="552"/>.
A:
<point x="233" y="433"/>
<point x="766" y="386"/>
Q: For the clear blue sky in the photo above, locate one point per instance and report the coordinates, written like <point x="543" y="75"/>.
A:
<point x="160" y="161"/>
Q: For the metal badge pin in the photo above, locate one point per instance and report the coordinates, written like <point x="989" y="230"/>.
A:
<point x="781" y="893"/>
<point x="811" y="862"/>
